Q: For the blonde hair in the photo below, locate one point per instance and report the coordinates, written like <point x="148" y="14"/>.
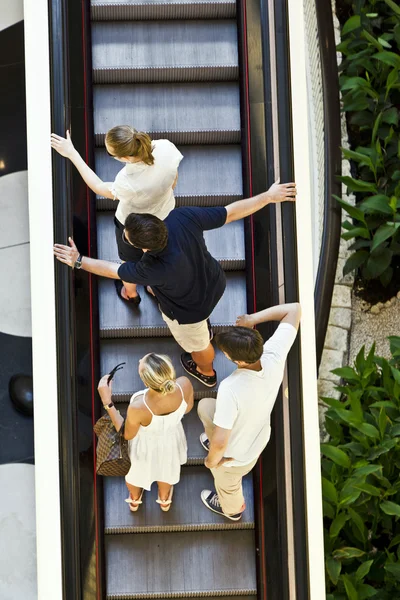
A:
<point x="158" y="373"/>
<point x="126" y="141"/>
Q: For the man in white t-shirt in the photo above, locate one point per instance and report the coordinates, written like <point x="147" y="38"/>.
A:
<point x="238" y="422"/>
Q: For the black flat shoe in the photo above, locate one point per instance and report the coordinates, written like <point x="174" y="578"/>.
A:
<point x="118" y="287"/>
<point x="190" y="367"/>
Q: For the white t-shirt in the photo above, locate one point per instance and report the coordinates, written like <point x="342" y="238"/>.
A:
<point x="246" y="398"/>
<point x="142" y="188"/>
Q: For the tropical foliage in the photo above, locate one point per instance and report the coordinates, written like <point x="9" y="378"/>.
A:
<point x="370" y="86"/>
<point x="360" y="480"/>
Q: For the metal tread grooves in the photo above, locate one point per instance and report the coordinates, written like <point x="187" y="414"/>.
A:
<point x="105" y="204"/>
<point x="211" y="595"/>
<point x="186" y="136"/>
<point x="101" y="10"/>
<point x="178" y="73"/>
<point x="163" y="561"/>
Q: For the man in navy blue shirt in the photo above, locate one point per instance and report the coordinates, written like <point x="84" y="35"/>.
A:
<point x="185" y="279"/>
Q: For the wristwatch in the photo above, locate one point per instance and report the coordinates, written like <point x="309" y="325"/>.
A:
<point x="108" y="406"/>
<point x="78" y="262"/>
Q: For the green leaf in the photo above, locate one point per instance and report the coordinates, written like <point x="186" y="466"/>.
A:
<point x="384" y="403"/>
<point x="394" y="341"/>
<point x="391" y="116"/>
<point x="350" y="498"/>
<point x="389" y="58"/>
<point x="348" y="552"/>
<point x="392" y="79"/>
<point x="384" y="43"/>
<point x="349" y="587"/>
<point x="355" y="260"/>
<point x="368" y="430"/>
<point x="346" y="373"/>
<point x="336" y="455"/>
<point x="358" y="522"/>
<point x="378" y="202"/>
<point x="328" y="510"/>
<point x="376" y="265"/>
<point x="395" y="8"/>
<point x="356" y="232"/>
<point x="393" y="569"/>
<point x="354" y="212"/>
<point x="357" y="185"/>
<point x="337" y="524"/>
<point x="382" y="421"/>
<point x="367" y="488"/>
<point x="395" y="541"/>
<point x="367" y="470"/>
<point x="356" y="156"/>
<point x="386" y="277"/>
<point x="366" y="591"/>
<point x="363" y="570"/>
<point x="329" y="491"/>
<point x="390" y="508"/>
<point x="351" y="83"/>
<point x="333" y="427"/>
<point x="333" y="568"/>
<point x="353" y="23"/>
<point x="383" y="233"/>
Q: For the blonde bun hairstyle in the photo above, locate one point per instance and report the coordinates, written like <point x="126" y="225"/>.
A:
<point x="158" y="373"/>
<point x="126" y="141"/>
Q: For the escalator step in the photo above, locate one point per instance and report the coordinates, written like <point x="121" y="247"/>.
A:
<point x="193" y="428"/>
<point x="228" y="249"/>
<point x="181" y="565"/>
<point x="121" y="320"/>
<point x="128" y="381"/>
<point x="154" y="51"/>
<point x="208" y="175"/>
<point x="112" y="10"/>
<point x="184" y="113"/>
<point x="187" y="512"/>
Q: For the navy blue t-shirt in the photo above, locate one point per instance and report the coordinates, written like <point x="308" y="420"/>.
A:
<point x="187" y="281"/>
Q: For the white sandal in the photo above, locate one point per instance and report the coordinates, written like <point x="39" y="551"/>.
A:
<point x="134" y="504"/>
<point x="165" y="505"/>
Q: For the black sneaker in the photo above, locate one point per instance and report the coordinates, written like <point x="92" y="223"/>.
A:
<point x="204" y="441"/>
<point x="190" y="367"/>
<point x="211" y="500"/>
<point x="210" y="329"/>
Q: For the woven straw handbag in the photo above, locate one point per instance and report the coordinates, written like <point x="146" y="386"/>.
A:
<point x="112" y="449"/>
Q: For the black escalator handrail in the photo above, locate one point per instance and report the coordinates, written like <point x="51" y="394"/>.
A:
<point x="67" y="412"/>
<point x="291" y="287"/>
<point x="332" y="214"/>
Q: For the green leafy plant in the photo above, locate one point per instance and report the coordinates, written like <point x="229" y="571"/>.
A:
<point x="370" y="86"/>
<point x="360" y="480"/>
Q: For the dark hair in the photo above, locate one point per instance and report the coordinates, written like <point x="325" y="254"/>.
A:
<point x="241" y="344"/>
<point x="146" y="231"/>
<point x="126" y="141"/>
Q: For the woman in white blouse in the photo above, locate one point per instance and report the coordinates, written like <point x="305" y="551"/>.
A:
<point x="144" y="185"/>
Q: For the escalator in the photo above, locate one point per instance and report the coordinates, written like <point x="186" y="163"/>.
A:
<point x="172" y="70"/>
<point x="205" y="75"/>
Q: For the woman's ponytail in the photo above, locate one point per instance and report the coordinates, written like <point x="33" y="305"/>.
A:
<point x="126" y="141"/>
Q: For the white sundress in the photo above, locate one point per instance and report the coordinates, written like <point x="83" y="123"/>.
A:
<point x="158" y="450"/>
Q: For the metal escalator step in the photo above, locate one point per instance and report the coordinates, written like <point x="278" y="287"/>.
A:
<point x="112" y="10"/>
<point x="181" y="565"/>
<point x="193" y="428"/>
<point x="187" y="512"/>
<point x="160" y="51"/>
<point x="184" y="113"/>
<point x="208" y="175"/>
<point x="127" y="381"/>
<point x="228" y="248"/>
<point x="121" y="320"/>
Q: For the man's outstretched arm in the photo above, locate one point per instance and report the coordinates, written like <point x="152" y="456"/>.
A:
<point x="69" y="255"/>
<point x="285" y="313"/>
<point x="277" y="193"/>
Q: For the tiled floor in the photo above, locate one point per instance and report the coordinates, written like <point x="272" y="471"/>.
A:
<point x="17" y="500"/>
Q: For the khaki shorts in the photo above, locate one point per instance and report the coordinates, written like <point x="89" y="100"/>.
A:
<point x="193" y="337"/>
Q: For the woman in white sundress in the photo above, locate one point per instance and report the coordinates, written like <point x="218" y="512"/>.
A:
<point x="144" y="185"/>
<point x="153" y="425"/>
